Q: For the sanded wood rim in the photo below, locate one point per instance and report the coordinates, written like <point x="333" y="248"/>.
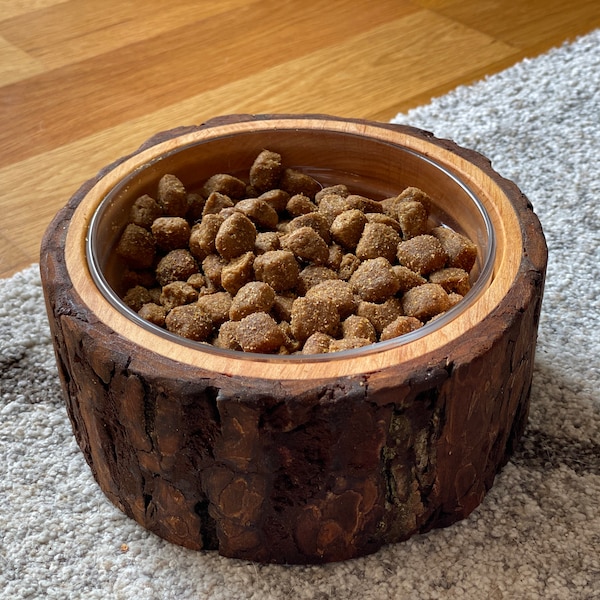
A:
<point x="483" y="181"/>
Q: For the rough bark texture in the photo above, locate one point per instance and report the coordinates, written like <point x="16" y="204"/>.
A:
<point x="292" y="472"/>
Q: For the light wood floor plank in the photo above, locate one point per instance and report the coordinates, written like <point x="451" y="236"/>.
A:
<point x="83" y="82"/>
<point x="140" y="78"/>
<point x="16" y="8"/>
<point x="74" y="31"/>
<point x="16" y="65"/>
<point x="12" y="258"/>
<point x="523" y="24"/>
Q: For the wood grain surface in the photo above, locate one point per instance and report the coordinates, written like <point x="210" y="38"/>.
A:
<point x="83" y="82"/>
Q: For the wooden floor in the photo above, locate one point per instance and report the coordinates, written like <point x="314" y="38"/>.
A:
<point x="83" y="82"/>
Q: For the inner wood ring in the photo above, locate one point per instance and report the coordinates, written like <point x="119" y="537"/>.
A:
<point x="372" y="141"/>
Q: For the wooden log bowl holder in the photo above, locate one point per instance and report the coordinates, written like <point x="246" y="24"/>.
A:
<point x="300" y="458"/>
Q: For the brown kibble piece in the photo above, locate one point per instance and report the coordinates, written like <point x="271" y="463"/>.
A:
<point x="212" y="266"/>
<point x="347" y="228"/>
<point x="224" y="184"/>
<point x="364" y="204"/>
<point x="348" y="265"/>
<point x="407" y="278"/>
<point x="177" y="293"/>
<point x="172" y="196"/>
<point x="195" y="208"/>
<point x="276" y="199"/>
<point x="415" y="194"/>
<point x="339" y="189"/>
<point x="377" y="240"/>
<point x="307" y="245"/>
<point x="295" y="182"/>
<point x="144" y="211"/>
<point x="399" y="327"/>
<point x="155" y="293"/>
<point x="461" y="251"/>
<point x="136" y="245"/>
<point x="216" y="306"/>
<point x="390" y="206"/>
<point x="235" y="236"/>
<point x="384" y="220"/>
<point x="317" y="343"/>
<point x="227" y="211"/>
<point x="282" y="307"/>
<point x="332" y="205"/>
<point x="278" y="268"/>
<point x="349" y="343"/>
<point x="454" y="299"/>
<point x="171" y="233"/>
<point x="251" y="192"/>
<point x="203" y="235"/>
<point x="425" y="301"/>
<point x="154" y="313"/>
<point x="422" y="254"/>
<point x="266" y="241"/>
<point x="282" y="227"/>
<point x="336" y="254"/>
<point x="313" y="275"/>
<point x="452" y="279"/>
<point x="290" y="345"/>
<point x="413" y="217"/>
<point x="374" y="280"/>
<point x="314" y="220"/>
<point x="197" y="281"/>
<point x="237" y="273"/>
<point x="339" y="292"/>
<point x="177" y="265"/>
<point x="311" y="315"/>
<point x="189" y="321"/>
<point x="299" y="204"/>
<point x="382" y="314"/>
<point x="259" y="212"/>
<point x="258" y="332"/>
<point x="359" y="327"/>
<point x="255" y="296"/>
<point x="136" y="297"/>
<point x="133" y="277"/>
<point x="266" y="171"/>
<point x="215" y="203"/>
<point x="227" y="336"/>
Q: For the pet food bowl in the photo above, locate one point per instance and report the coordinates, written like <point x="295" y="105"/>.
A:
<point x="300" y="458"/>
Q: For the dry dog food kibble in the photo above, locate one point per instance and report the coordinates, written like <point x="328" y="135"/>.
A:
<point x="137" y="247"/>
<point x="177" y="265"/>
<point x="172" y="196"/>
<point x="189" y="321"/>
<point x="258" y="332"/>
<point x="255" y="296"/>
<point x="422" y="254"/>
<point x="277" y="263"/>
<point x="177" y="293"/>
<point x="238" y="272"/>
<point x="171" y="233"/>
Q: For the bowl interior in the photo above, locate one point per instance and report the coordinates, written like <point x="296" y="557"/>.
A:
<point x="368" y="166"/>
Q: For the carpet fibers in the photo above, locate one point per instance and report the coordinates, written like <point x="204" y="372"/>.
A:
<point x="537" y="533"/>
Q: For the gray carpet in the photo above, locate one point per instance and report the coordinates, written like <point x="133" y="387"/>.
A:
<point x="537" y="534"/>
